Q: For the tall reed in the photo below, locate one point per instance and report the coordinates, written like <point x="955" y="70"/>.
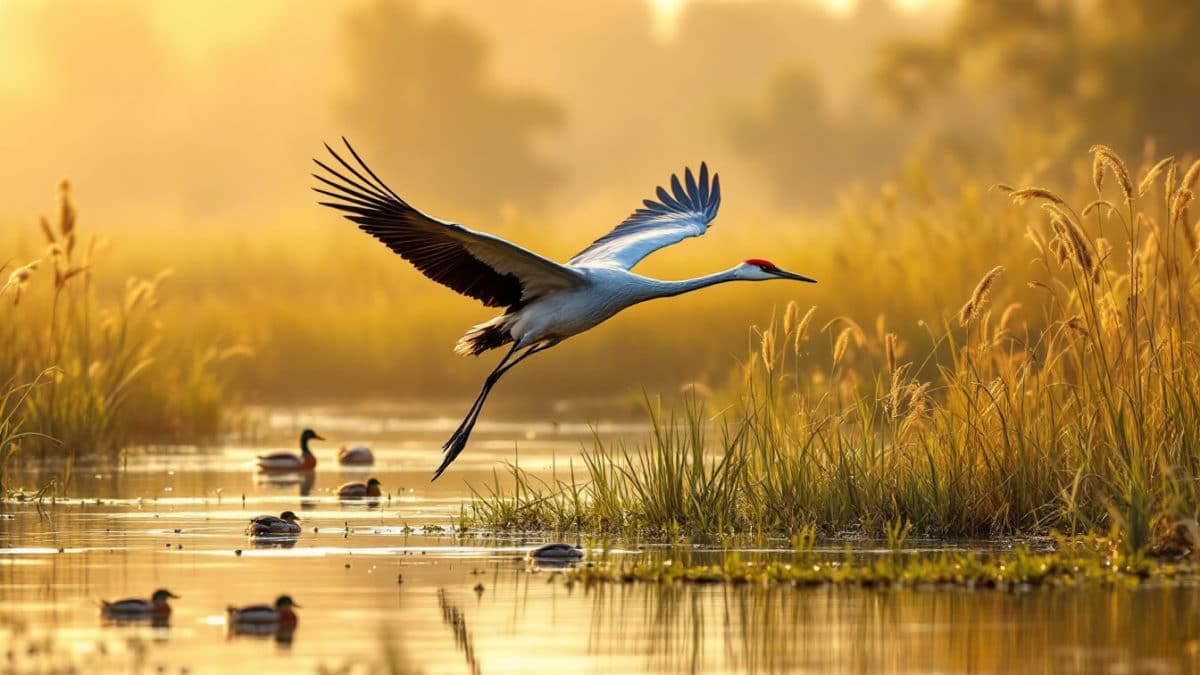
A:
<point x="97" y="355"/>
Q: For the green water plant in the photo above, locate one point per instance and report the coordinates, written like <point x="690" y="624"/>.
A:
<point x="1077" y="562"/>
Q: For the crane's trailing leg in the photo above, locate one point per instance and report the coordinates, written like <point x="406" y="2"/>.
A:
<point x="458" y="440"/>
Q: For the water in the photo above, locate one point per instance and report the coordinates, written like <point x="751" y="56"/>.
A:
<point x="379" y="591"/>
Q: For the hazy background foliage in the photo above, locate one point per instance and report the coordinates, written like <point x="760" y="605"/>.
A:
<point x="187" y="130"/>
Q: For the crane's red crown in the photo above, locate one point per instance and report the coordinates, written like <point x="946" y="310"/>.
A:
<point x="760" y="262"/>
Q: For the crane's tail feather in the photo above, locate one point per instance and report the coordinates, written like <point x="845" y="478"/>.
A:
<point x="482" y="337"/>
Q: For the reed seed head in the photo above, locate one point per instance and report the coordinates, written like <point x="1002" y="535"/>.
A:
<point x="1025" y="194"/>
<point x="1191" y="176"/>
<point x="1152" y="174"/>
<point x="790" y="316"/>
<point x="979" y="296"/>
<point x="18" y="280"/>
<point x="1181" y="203"/>
<point x="1007" y="315"/>
<point x="842" y="343"/>
<point x="802" y="328"/>
<point x="889" y="345"/>
<point x="1110" y="159"/>
<point x="66" y="214"/>
<point x="768" y="350"/>
<point x="46" y="231"/>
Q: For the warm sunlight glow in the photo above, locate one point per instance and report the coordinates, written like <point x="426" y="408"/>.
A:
<point x="913" y="6"/>
<point x="666" y="14"/>
<point x="840" y="8"/>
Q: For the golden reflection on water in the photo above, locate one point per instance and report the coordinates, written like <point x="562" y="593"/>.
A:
<point x="377" y="595"/>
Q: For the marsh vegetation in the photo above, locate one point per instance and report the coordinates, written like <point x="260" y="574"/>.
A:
<point x="1061" y="395"/>
<point x="995" y="385"/>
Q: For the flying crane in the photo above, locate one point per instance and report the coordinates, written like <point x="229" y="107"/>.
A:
<point x="544" y="302"/>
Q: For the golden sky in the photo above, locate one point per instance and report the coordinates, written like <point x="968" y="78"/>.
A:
<point x="171" y="110"/>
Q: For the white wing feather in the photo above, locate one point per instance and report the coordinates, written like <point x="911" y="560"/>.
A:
<point x="684" y="212"/>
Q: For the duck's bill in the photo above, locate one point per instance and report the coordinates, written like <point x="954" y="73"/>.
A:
<point x="172" y="595"/>
<point x="794" y="276"/>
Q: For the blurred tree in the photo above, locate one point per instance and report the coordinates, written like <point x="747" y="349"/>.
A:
<point x="421" y="98"/>
<point x="804" y="151"/>
<point x="1113" y="70"/>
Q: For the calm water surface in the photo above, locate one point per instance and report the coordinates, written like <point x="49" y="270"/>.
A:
<point x="382" y="591"/>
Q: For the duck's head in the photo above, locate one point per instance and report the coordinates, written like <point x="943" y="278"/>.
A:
<point x="308" y="435"/>
<point x="161" y="596"/>
<point x="284" y="601"/>
<point x="373" y="482"/>
<point x="289" y="516"/>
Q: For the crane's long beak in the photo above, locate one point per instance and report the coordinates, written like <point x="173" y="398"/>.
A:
<point x="789" y="275"/>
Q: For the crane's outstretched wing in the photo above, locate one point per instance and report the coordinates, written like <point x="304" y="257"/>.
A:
<point x="682" y="213"/>
<point x="478" y="265"/>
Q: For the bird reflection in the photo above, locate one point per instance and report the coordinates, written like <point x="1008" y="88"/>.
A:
<point x="275" y="541"/>
<point x="302" y="479"/>
<point x="453" y="617"/>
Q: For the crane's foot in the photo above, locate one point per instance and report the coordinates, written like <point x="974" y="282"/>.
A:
<point x="452" y="449"/>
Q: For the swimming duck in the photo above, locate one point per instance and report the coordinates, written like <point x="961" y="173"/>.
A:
<point x="556" y="553"/>
<point x="280" y="615"/>
<point x="285" y="523"/>
<point x="286" y="461"/>
<point x="359" y="454"/>
<point x="139" y="608"/>
<point x="359" y="489"/>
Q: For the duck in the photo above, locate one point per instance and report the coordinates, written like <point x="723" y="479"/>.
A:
<point x="359" y="454"/>
<point x="556" y="553"/>
<point x="286" y="461"/>
<point x="279" y="616"/>
<point x="359" y="489"/>
<point x="139" y="608"/>
<point x="285" y="523"/>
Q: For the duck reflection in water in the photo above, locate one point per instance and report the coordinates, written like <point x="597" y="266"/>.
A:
<point x="275" y="541"/>
<point x="303" y="479"/>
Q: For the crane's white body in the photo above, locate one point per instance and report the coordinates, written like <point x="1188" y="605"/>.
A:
<point x="547" y="302"/>
<point x="606" y="291"/>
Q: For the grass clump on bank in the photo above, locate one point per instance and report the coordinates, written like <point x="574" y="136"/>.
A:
<point x="1065" y="393"/>
<point x="102" y="376"/>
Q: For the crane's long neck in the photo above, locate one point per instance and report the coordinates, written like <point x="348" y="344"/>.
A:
<point x="666" y="289"/>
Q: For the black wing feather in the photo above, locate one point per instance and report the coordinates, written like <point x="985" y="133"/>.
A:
<point x="416" y="237"/>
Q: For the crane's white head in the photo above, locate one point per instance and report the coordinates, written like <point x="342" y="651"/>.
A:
<point x="757" y="269"/>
